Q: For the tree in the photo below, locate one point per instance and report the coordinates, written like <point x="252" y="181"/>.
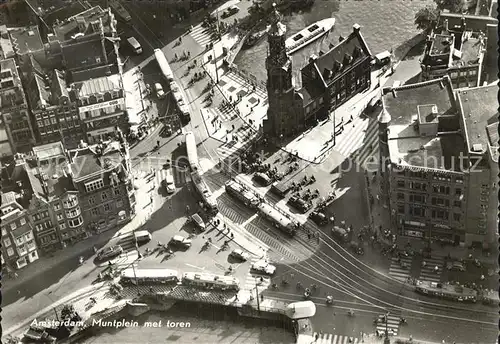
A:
<point x="426" y="18"/>
<point x="454" y="6"/>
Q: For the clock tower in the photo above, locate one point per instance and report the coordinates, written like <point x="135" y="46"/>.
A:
<point x="280" y="93"/>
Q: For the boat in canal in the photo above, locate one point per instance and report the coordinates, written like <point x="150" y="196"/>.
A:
<point x="254" y="38"/>
<point x="310" y="34"/>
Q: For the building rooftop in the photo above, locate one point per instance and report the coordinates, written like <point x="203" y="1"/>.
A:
<point x="471" y="50"/>
<point x="84" y="23"/>
<point x="97" y="86"/>
<point x="85" y="51"/>
<point x="9" y="79"/>
<point x="472" y="22"/>
<point x="479" y="107"/>
<point x="441" y="45"/>
<point x="328" y="49"/>
<point x="96" y="158"/>
<point x="26" y="39"/>
<point x="6" y="49"/>
<point x="346" y="53"/>
<point x="48" y="171"/>
<point x="55" y="15"/>
<point x="406" y="144"/>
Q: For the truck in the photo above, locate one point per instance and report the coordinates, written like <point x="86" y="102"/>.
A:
<point x="134" y="45"/>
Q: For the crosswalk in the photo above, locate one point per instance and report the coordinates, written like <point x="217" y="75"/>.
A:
<point x="428" y="272"/>
<point x="389" y="323"/>
<point x="400" y="270"/>
<point x="256" y="281"/>
<point x="201" y="35"/>
<point x="236" y="141"/>
<point x="329" y="338"/>
<point x="359" y="139"/>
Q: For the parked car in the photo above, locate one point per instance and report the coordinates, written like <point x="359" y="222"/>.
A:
<point x="159" y="91"/>
<point x="179" y="240"/>
<point x="198" y="222"/>
<point x="110" y="252"/>
<point x="455" y="266"/>
<point x="142" y="237"/>
<point x="262" y="179"/>
<point x="230" y="11"/>
<point x="168" y="181"/>
<point x="264" y="267"/>
<point x="174" y="87"/>
<point x="166" y="130"/>
<point x="300" y="204"/>
<point x="340" y="233"/>
<point x="319" y="218"/>
<point x="239" y="254"/>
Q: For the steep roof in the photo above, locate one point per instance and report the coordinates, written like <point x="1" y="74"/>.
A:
<point x="345" y="54"/>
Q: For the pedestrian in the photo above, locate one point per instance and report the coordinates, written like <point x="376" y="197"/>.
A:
<point x="16" y="275"/>
<point x="316" y="337"/>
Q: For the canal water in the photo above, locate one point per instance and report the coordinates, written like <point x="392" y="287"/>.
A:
<point x="385" y="24"/>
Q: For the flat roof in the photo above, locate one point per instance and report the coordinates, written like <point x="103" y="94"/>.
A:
<point x="479" y="109"/>
<point x="26" y="39"/>
<point x="471" y="50"/>
<point x="6" y="49"/>
<point x="406" y="145"/>
<point x="50" y="150"/>
<point x="441" y="44"/>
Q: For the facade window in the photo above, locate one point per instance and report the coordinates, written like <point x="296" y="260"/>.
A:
<point x="60" y="217"/>
<point x="10" y="251"/>
<point x="95" y="185"/>
<point x="39" y="227"/>
<point x="94" y="211"/>
<point x="456" y="217"/>
<point x="57" y="206"/>
<point x="107" y="207"/>
<point x="116" y="191"/>
<point x="62" y="225"/>
<point x="22" y="221"/>
<point x="417" y="211"/>
<point x="342" y="82"/>
<point x="401" y="208"/>
<point x="4" y="232"/>
<point x="401" y="195"/>
<point x="104" y="196"/>
<point x="13" y="225"/>
<point x="91" y="200"/>
<point x="7" y="242"/>
<point x="119" y="204"/>
<point x="457" y="204"/>
<point x="401" y="183"/>
<point x="75" y="222"/>
<point x="418" y="199"/>
<point x="458" y="192"/>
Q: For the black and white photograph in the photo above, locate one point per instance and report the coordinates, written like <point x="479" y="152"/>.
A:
<point x="249" y="171"/>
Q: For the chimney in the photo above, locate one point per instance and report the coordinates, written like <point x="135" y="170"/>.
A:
<point x="449" y="89"/>
<point x="355" y="28"/>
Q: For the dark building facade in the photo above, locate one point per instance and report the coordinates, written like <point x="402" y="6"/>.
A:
<point x="328" y="80"/>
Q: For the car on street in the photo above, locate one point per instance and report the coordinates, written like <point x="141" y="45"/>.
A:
<point x="318" y="218"/>
<point x="179" y="240"/>
<point x="264" y="267"/>
<point x="198" y="222"/>
<point x="239" y="254"/>
<point x="229" y="12"/>
<point x="300" y="204"/>
<point x="142" y="237"/>
<point x="168" y="181"/>
<point x="455" y="266"/>
<point x="166" y="130"/>
<point x="110" y="252"/>
<point x="262" y="179"/>
<point x="159" y="91"/>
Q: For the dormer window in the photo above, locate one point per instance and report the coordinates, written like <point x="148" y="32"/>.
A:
<point x="347" y="59"/>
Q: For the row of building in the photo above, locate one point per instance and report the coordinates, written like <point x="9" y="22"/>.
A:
<point x="438" y="137"/>
<point x="65" y="87"/>
<point x="55" y="197"/>
<point x="65" y="169"/>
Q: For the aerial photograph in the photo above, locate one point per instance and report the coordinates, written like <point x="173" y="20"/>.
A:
<point x="249" y="171"/>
